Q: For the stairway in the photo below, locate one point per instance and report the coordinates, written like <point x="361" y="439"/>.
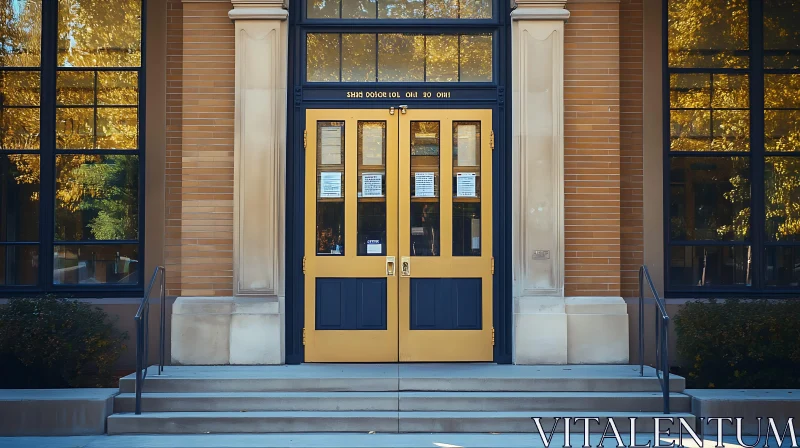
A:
<point x="390" y="398"/>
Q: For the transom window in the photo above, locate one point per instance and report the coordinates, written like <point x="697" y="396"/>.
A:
<point x="70" y="144"/>
<point x="733" y="145"/>
<point x="399" y="9"/>
<point x="395" y="57"/>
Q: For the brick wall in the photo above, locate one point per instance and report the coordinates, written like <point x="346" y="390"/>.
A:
<point x="631" y="147"/>
<point x="592" y="185"/>
<point x="200" y="152"/>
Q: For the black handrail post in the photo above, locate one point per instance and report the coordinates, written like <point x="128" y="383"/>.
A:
<point x="665" y="360"/>
<point x="142" y="319"/>
<point x="641" y="322"/>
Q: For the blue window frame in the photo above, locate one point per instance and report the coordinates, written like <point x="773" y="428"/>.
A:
<point x="72" y="147"/>
<point x="732" y="147"/>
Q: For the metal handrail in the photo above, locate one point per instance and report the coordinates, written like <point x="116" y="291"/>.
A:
<point x="142" y="319"/>
<point x="661" y="335"/>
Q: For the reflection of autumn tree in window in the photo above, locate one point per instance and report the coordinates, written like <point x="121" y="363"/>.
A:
<point x="20" y="33"/>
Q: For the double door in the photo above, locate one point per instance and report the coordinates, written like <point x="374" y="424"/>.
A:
<point x="398" y="235"/>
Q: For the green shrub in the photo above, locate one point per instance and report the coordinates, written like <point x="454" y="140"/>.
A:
<point x="55" y="343"/>
<point x="740" y="343"/>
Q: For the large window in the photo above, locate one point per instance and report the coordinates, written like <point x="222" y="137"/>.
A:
<point x="733" y="146"/>
<point x="70" y="144"/>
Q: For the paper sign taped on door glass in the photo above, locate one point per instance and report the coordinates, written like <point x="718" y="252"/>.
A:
<point x="374" y="247"/>
<point x="465" y="185"/>
<point x="330" y="185"/>
<point x="467" y="145"/>
<point x="372" y="185"/>
<point x="331" y="141"/>
<point x="424" y="185"/>
<point x="372" y="144"/>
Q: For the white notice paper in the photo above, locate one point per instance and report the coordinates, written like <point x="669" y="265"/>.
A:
<point x="372" y="185"/>
<point x="331" y="141"/>
<point x="330" y="185"/>
<point x="467" y="145"/>
<point x="374" y="246"/>
<point x="372" y="144"/>
<point x="465" y="185"/>
<point x="424" y="185"/>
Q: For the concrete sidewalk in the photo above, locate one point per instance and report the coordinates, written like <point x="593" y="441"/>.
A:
<point x="338" y="440"/>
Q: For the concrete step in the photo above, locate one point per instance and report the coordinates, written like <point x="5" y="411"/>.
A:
<point x="378" y="421"/>
<point x="401" y="377"/>
<point x="403" y="401"/>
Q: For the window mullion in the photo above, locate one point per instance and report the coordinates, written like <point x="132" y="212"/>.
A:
<point x="757" y="212"/>
<point x="48" y="140"/>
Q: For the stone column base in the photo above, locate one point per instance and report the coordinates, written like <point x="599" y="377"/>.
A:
<point x="228" y="330"/>
<point x="572" y="330"/>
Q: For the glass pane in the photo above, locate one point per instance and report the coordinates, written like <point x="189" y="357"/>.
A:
<point x="97" y="197"/>
<point x="709" y="198"/>
<point x="96" y="264"/>
<point x="466" y="188"/>
<point x="117" y="88"/>
<point x="323" y="9"/>
<point x="401" y="9"/>
<point x="731" y="130"/>
<point x="710" y="266"/>
<point x="75" y="88"/>
<point x="782" y="127"/>
<point x="476" y="9"/>
<point x="21" y="33"/>
<point x="783" y="266"/>
<point x="781" y="34"/>
<point x="690" y="130"/>
<point x="711" y="33"/>
<point x="441" y="9"/>
<point x="19" y="265"/>
<point x="358" y="58"/>
<point x="74" y="128"/>
<point x="20" y="128"/>
<point x="782" y="198"/>
<point x="441" y="59"/>
<point x="371" y="188"/>
<point x="476" y="58"/>
<point x="730" y="91"/>
<point x="359" y="9"/>
<point x="99" y="34"/>
<point x="19" y="198"/>
<point x="117" y="128"/>
<point x="322" y="57"/>
<point x="782" y="91"/>
<point x="330" y="188"/>
<point x="690" y="91"/>
<point x="425" y="182"/>
<point x="19" y="88"/>
<point x="401" y="58"/>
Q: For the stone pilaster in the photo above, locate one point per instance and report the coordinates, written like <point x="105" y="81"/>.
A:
<point x="248" y="328"/>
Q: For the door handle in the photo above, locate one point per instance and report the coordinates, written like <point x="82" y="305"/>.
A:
<point x="389" y="266"/>
<point x="405" y="267"/>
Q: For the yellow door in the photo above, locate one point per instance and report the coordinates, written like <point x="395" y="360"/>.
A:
<point x="445" y="235"/>
<point x="398" y="260"/>
<point x="350" y="236"/>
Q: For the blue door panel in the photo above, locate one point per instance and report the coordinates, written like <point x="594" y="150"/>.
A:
<point x="351" y="304"/>
<point x="445" y="304"/>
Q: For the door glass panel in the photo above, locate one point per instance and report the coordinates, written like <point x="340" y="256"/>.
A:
<point x="424" y="186"/>
<point x="330" y="188"/>
<point x="466" y="188"/>
<point x="371" y="188"/>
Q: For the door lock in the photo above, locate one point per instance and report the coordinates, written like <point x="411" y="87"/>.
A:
<point x="403" y="109"/>
<point x="390" y="266"/>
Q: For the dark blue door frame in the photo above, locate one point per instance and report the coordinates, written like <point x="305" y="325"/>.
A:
<point x="305" y="96"/>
